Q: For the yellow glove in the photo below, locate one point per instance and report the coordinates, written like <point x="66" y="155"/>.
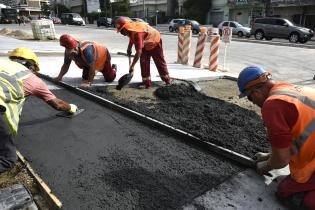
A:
<point x="73" y="108"/>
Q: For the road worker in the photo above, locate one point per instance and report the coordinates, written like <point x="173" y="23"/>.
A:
<point x="89" y="56"/>
<point x="148" y="42"/>
<point x="288" y="112"/>
<point x="18" y="81"/>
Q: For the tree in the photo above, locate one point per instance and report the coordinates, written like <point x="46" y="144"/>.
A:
<point x="45" y="9"/>
<point x="197" y="9"/>
<point x="105" y="6"/>
<point x="59" y="8"/>
<point x="121" y="8"/>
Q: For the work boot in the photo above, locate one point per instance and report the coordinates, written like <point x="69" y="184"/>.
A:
<point x="294" y="202"/>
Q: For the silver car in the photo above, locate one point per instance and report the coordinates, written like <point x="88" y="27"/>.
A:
<point x="237" y="28"/>
<point x="172" y="23"/>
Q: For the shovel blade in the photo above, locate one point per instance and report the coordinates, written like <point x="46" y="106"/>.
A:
<point x="124" y="80"/>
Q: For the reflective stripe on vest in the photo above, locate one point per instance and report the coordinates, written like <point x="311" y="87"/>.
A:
<point x="302" y="160"/>
<point x="146" y="78"/>
<point x="11" y="91"/>
<point x="310" y="128"/>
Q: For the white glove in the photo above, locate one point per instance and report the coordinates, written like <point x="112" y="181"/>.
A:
<point x="73" y="108"/>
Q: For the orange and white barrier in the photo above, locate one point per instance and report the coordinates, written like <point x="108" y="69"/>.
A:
<point x="180" y="45"/>
<point x="214" y="52"/>
<point x="186" y="44"/>
<point x="200" y="47"/>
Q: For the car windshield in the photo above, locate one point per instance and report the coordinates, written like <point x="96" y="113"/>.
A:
<point x="76" y="16"/>
<point x="194" y="22"/>
<point x="289" y="22"/>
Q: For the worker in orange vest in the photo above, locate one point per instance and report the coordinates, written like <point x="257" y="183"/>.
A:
<point x="89" y="56"/>
<point x="288" y="112"/>
<point x="148" y="43"/>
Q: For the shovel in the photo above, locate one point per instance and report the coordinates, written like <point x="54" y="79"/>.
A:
<point x="191" y="83"/>
<point x="125" y="79"/>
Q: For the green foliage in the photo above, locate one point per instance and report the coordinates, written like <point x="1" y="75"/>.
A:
<point x="59" y="8"/>
<point x="121" y="8"/>
<point x="197" y="9"/>
<point x="45" y="9"/>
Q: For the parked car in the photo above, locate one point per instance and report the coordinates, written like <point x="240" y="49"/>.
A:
<point x="270" y="28"/>
<point x="138" y="20"/>
<point x="115" y="18"/>
<point x="195" y="26"/>
<point x="237" y="29"/>
<point x="173" y="22"/>
<point x="56" y="20"/>
<point x="72" y="19"/>
<point x="104" y="21"/>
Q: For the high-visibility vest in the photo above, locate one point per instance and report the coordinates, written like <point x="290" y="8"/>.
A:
<point x="302" y="163"/>
<point x="152" y="38"/>
<point x="100" y="54"/>
<point x="12" y="91"/>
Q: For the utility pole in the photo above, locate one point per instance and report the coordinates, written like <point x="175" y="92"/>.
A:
<point x="144" y="12"/>
<point x="267" y="8"/>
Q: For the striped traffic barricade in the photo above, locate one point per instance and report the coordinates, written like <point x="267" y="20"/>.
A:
<point x="214" y="52"/>
<point x="180" y="44"/>
<point x="186" y="44"/>
<point x="200" y="47"/>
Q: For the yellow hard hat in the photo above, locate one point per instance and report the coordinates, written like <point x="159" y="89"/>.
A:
<point x="25" y="54"/>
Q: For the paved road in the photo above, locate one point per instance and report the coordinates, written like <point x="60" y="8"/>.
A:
<point x="292" y="64"/>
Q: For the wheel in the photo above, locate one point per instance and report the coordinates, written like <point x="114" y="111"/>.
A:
<point x="240" y="34"/>
<point x="294" y="37"/>
<point x="259" y="35"/>
<point x="195" y="31"/>
<point x="268" y="38"/>
<point x="98" y="25"/>
<point x="171" y="29"/>
<point x="220" y="32"/>
<point x="303" y="41"/>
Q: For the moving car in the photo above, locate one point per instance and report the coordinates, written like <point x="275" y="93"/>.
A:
<point x="270" y="28"/>
<point x="237" y="28"/>
<point x="72" y="19"/>
<point x="173" y="22"/>
<point x="104" y="21"/>
<point x="195" y="26"/>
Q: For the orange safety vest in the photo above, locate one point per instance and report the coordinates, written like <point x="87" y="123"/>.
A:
<point x="152" y="37"/>
<point x="302" y="163"/>
<point x="99" y="54"/>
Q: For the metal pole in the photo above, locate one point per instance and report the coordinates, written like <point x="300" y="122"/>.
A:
<point x="144" y="12"/>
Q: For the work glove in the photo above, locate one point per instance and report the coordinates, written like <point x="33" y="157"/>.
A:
<point x="85" y="85"/>
<point x="73" y="108"/>
<point x="263" y="168"/>
<point x="57" y="79"/>
<point x="261" y="156"/>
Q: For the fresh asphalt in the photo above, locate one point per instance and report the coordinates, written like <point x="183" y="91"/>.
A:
<point x="103" y="160"/>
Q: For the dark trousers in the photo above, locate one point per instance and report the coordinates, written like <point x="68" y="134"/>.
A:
<point x="108" y="72"/>
<point x="7" y="148"/>
<point x="160" y="63"/>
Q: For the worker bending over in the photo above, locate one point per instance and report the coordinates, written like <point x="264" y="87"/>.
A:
<point x="89" y="56"/>
<point x="16" y="82"/>
<point x="288" y="112"/>
<point x="148" y="42"/>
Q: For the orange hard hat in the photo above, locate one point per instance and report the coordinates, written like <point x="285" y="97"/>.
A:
<point x="68" y="41"/>
<point x="120" y="23"/>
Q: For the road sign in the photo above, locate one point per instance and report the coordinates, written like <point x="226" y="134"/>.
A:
<point x="226" y="34"/>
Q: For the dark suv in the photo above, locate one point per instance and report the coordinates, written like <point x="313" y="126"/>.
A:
<point x="104" y="21"/>
<point x="269" y="28"/>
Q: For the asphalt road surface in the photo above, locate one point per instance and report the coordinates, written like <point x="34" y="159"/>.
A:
<point x="104" y="160"/>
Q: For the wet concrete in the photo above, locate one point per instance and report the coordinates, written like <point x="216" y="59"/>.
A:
<point x="104" y="160"/>
<point x="211" y="119"/>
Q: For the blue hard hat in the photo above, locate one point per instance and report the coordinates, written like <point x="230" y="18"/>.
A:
<point x="248" y="74"/>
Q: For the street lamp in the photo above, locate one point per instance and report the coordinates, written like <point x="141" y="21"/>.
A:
<point x="156" y="18"/>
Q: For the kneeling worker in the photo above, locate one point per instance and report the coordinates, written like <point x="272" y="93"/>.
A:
<point x="16" y="82"/>
<point x="89" y="56"/>
<point x="288" y="112"/>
